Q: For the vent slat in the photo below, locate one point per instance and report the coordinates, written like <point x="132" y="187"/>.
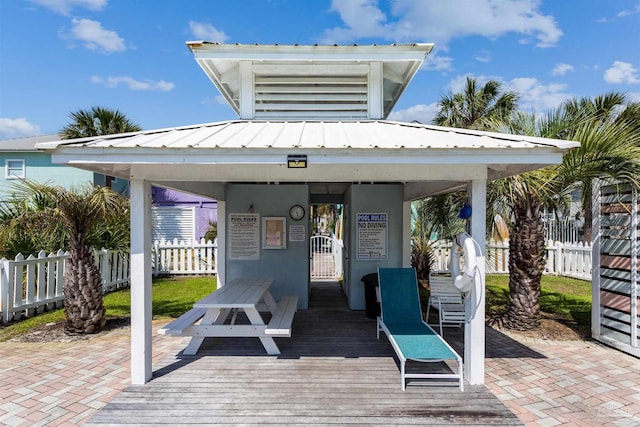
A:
<point x="312" y="97"/>
<point x="330" y="80"/>
<point x="311" y="115"/>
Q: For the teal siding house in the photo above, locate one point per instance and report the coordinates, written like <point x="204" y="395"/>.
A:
<point x="21" y="160"/>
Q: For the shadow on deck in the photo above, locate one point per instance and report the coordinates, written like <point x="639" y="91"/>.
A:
<point x="331" y="371"/>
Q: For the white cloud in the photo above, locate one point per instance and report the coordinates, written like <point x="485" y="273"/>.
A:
<point x="207" y="32"/>
<point x="628" y="12"/>
<point x="218" y="99"/>
<point x="420" y="112"/>
<point x="535" y="96"/>
<point x="64" y="7"/>
<point x="440" y="21"/>
<point x="133" y="84"/>
<point x="561" y="69"/>
<point x="483" y="56"/>
<point x="621" y="72"/>
<point x="438" y="63"/>
<point x="94" y="37"/>
<point x="15" y="128"/>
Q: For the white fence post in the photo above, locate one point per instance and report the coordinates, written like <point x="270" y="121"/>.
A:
<point x="5" y="301"/>
<point x="185" y="257"/>
<point x="559" y="267"/>
<point x="36" y="283"/>
<point x="563" y="259"/>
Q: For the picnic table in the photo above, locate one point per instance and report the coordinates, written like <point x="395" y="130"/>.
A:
<point x="217" y="313"/>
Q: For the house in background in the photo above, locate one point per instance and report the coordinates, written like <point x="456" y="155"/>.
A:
<point x="182" y="216"/>
<point x="176" y="215"/>
<point x="22" y="160"/>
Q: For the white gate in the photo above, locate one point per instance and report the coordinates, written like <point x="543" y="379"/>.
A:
<point x="326" y="257"/>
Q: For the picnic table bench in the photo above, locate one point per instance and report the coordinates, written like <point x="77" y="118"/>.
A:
<point x="213" y="311"/>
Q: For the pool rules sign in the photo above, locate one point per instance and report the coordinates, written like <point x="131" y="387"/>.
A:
<point x="372" y="236"/>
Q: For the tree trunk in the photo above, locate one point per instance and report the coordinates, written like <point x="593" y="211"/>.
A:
<point x="83" y="305"/>
<point x="527" y="259"/>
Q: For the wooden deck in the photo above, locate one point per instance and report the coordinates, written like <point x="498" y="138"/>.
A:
<point x="332" y="371"/>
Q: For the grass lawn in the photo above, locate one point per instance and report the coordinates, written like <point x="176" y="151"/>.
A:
<point x="172" y="296"/>
<point x="565" y="298"/>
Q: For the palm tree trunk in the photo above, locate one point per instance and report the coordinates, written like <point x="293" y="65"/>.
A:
<point x="83" y="305"/>
<point x="527" y="259"/>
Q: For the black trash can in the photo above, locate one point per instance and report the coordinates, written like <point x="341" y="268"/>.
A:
<point x="370" y="298"/>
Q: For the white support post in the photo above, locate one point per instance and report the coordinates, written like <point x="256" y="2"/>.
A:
<point x="221" y="253"/>
<point x="406" y="234"/>
<point x="474" y="331"/>
<point x="596" y="196"/>
<point x="141" y="369"/>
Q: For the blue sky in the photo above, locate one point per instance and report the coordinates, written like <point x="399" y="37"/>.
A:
<point x="58" y="56"/>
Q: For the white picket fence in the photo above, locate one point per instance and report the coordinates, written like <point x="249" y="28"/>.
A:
<point x="563" y="259"/>
<point x="35" y="284"/>
<point x="184" y="257"/>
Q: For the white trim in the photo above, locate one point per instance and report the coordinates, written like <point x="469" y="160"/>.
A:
<point x="221" y="254"/>
<point x="7" y="167"/>
<point x="376" y="91"/>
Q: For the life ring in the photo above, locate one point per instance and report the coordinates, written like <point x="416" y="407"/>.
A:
<point x="465" y="280"/>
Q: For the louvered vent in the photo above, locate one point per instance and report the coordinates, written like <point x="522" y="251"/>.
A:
<point x="308" y="97"/>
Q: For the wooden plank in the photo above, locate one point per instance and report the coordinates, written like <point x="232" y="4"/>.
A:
<point x="333" y="371"/>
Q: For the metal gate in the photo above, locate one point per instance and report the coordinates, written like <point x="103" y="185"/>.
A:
<point x="326" y="258"/>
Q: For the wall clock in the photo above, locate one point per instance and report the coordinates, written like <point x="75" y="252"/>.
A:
<point x="296" y="212"/>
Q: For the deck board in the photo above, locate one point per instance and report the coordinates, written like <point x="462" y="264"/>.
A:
<point x="332" y="371"/>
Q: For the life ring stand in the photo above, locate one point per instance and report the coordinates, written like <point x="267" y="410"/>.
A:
<point x="463" y="280"/>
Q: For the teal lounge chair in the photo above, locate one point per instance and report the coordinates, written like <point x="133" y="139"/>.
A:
<point x="401" y="320"/>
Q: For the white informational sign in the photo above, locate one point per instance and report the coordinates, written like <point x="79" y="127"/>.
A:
<point x="296" y="233"/>
<point x="244" y="236"/>
<point x="372" y="235"/>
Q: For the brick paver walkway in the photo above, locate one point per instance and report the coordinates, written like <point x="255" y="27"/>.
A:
<point x="545" y="383"/>
<point x="549" y="383"/>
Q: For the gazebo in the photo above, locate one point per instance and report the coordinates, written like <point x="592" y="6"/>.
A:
<point x="312" y="126"/>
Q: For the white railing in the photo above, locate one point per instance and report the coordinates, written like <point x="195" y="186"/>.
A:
<point x="563" y="230"/>
<point x="184" y="257"/>
<point x="326" y="257"/>
<point x="563" y="259"/>
<point x="35" y="284"/>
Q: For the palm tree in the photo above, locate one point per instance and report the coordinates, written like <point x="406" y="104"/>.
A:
<point x="607" y="127"/>
<point x="42" y="210"/>
<point x="610" y="148"/>
<point x="95" y="122"/>
<point x="471" y="108"/>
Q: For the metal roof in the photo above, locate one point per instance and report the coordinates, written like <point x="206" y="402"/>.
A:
<point x="27" y="143"/>
<point x="202" y="158"/>
<point x="312" y="135"/>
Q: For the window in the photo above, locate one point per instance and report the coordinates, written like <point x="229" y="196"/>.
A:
<point x="14" y="168"/>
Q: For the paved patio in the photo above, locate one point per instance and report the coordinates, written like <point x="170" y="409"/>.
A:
<point x="544" y="383"/>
